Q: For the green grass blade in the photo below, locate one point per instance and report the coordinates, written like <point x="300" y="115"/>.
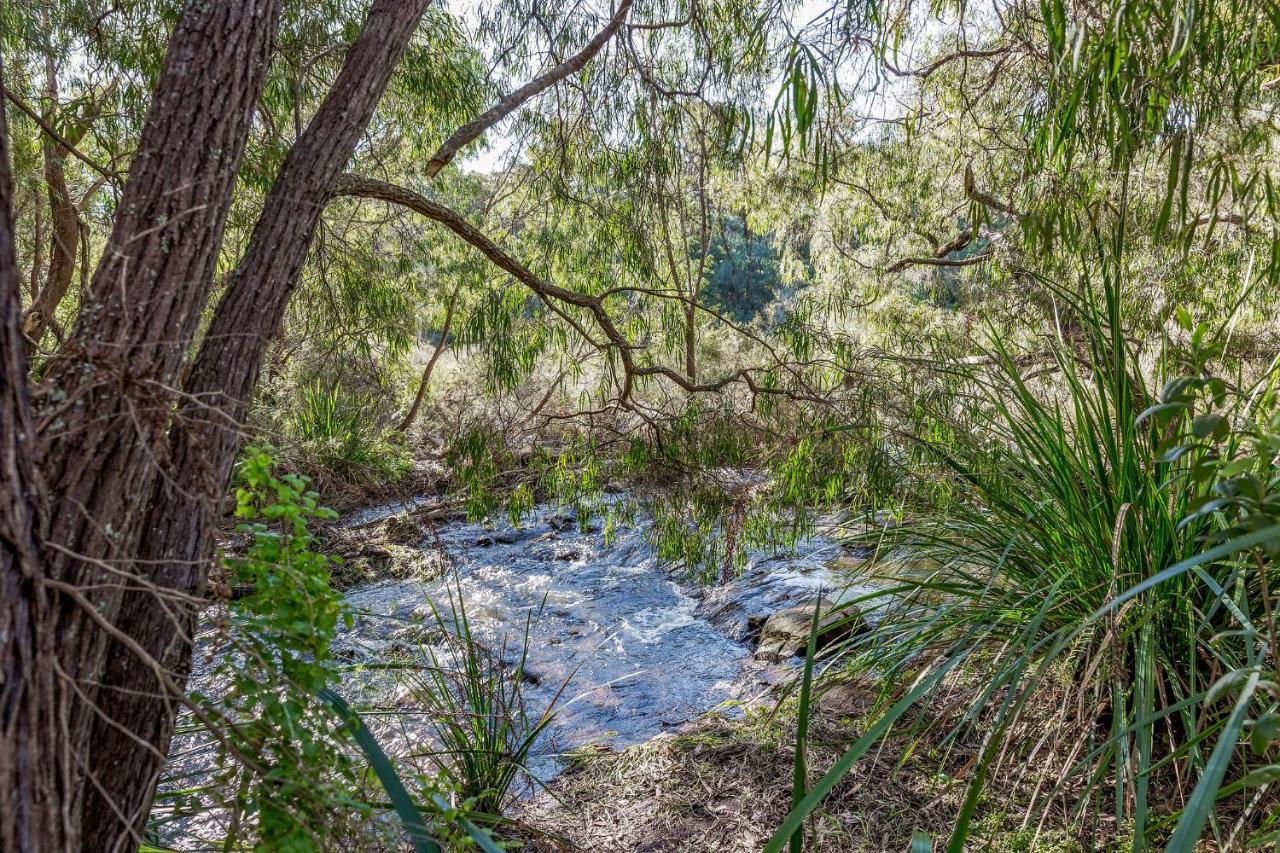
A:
<point x="475" y="833"/>
<point x="1226" y="549"/>
<point x="1200" y="805"/>
<point x="801" y="781"/>
<point x="405" y="807"/>
<point x="823" y="786"/>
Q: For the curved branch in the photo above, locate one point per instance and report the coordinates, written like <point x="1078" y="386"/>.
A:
<point x="963" y="53"/>
<point x="354" y="185"/>
<point x="370" y="188"/>
<point x="468" y="133"/>
<point x="971" y="190"/>
<point x="939" y="257"/>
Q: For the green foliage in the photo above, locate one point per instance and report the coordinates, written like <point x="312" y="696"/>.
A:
<point x="478" y="457"/>
<point x="476" y="702"/>
<point x="280" y="631"/>
<point x="743" y="275"/>
<point x="1070" y="505"/>
<point x="337" y="439"/>
<point x="942" y="162"/>
<point x="451" y="818"/>
<point x="1232" y="437"/>
<point x="722" y="496"/>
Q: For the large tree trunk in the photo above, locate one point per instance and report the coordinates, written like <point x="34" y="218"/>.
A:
<point x="179" y="539"/>
<point x="106" y="402"/>
<point x="29" y="762"/>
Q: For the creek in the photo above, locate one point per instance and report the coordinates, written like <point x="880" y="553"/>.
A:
<point x="635" y="649"/>
<point x="624" y="648"/>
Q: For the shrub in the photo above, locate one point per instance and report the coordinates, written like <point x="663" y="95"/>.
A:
<point x="1076" y="556"/>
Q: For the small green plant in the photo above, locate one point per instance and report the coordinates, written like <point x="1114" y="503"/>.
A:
<point x="475" y="697"/>
<point x="478" y="457"/>
<point x="1231" y="437"/>
<point x="279" y="629"/>
<point x="294" y="783"/>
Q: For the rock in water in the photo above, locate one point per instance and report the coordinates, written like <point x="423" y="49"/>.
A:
<point x="786" y="633"/>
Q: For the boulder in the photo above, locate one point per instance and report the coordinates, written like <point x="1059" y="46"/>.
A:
<point x="785" y="634"/>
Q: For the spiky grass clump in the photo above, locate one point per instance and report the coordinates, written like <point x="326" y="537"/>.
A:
<point x="483" y="732"/>
<point x="1071" y="500"/>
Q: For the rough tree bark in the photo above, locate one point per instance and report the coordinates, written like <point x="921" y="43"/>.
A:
<point x="29" y="778"/>
<point x="105" y="403"/>
<point x="180" y="529"/>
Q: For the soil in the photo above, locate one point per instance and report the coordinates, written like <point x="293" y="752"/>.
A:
<point x="724" y="785"/>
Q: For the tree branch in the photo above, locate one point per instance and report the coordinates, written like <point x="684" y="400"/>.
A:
<point x="971" y="190"/>
<point x="58" y="137"/>
<point x="360" y="187"/>
<point x="939" y="257"/>
<point x="468" y="133"/>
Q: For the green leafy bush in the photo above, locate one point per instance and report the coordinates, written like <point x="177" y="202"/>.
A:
<point x="292" y="780"/>
<point x="1231" y="437"/>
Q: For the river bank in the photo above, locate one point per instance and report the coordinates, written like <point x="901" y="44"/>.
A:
<point x="673" y="724"/>
<point x="676" y="735"/>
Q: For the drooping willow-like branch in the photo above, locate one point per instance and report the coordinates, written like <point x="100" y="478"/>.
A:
<point x="370" y="188"/>
<point x="472" y="129"/>
<point x="939" y="257"/>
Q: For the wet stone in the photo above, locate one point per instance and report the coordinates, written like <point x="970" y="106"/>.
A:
<point x="785" y="634"/>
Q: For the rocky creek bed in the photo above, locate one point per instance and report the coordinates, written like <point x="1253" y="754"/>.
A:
<point x="642" y="651"/>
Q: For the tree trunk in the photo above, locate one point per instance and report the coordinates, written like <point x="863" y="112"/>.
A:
<point x="691" y="341"/>
<point x="64" y="220"/>
<point x="37" y="253"/>
<point x="29" y="763"/>
<point x="441" y="345"/>
<point x="205" y="440"/>
<point x="106" y="402"/>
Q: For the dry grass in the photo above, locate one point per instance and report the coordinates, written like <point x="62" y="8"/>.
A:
<point x="724" y="785"/>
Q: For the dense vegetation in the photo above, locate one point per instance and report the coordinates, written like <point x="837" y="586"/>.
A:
<point x="995" y="285"/>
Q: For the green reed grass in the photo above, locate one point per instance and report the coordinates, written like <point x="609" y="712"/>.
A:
<point x="478" y="713"/>
<point x="1073" y="555"/>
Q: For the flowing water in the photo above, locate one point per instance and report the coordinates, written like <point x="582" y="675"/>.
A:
<point x="639" y="650"/>
<point x="636" y="650"/>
